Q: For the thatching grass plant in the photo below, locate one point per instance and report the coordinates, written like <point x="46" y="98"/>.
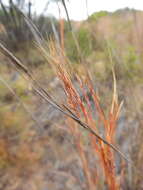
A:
<point x="80" y="110"/>
<point x="85" y="110"/>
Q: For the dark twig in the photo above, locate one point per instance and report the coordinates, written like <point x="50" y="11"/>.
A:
<point x="47" y="97"/>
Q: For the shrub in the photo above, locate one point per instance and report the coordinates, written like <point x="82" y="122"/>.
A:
<point x="96" y="16"/>
<point x="85" y="43"/>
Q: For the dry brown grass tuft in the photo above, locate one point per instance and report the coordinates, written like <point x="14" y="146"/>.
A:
<point x="89" y="111"/>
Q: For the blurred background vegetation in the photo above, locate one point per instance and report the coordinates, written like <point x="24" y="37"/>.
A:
<point x="106" y="40"/>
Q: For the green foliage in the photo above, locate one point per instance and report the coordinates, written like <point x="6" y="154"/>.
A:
<point x="97" y="15"/>
<point x="131" y="56"/>
<point x="85" y="43"/>
<point x="132" y="65"/>
<point x="20" y="87"/>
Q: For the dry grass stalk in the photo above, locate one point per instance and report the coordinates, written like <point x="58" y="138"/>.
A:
<point x="77" y="110"/>
<point x="105" y="154"/>
<point x="74" y="102"/>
